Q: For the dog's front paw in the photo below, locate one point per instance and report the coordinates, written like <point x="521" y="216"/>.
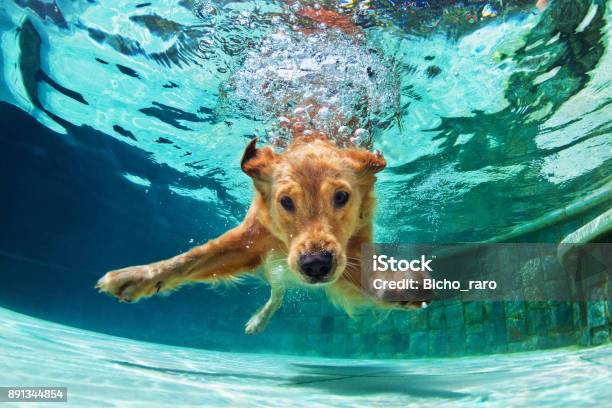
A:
<point x="256" y="324"/>
<point x="129" y="284"/>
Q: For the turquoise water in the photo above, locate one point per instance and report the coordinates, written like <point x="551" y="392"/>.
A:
<point x="477" y="121"/>
<point x="123" y="127"/>
<point x="101" y="370"/>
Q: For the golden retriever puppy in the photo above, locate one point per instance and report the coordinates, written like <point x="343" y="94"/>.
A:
<point x="311" y="213"/>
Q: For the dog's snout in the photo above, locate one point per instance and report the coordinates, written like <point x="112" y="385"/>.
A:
<point x="316" y="265"/>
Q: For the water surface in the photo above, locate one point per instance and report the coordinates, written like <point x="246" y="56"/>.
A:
<point x="486" y="123"/>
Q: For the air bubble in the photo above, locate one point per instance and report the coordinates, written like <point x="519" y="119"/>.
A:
<point x="344" y="131"/>
<point x="321" y="80"/>
<point x="361" y="133"/>
<point x="360" y="136"/>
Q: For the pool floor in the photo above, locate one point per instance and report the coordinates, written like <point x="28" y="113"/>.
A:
<point x="102" y="370"/>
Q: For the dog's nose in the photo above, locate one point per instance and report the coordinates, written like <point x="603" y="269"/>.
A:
<point x="316" y="264"/>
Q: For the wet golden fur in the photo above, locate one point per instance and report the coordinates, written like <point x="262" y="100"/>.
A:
<point x="309" y="171"/>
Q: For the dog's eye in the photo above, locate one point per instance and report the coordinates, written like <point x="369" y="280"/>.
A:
<point x="340" y="198"/>
<point x="287" y="203"/>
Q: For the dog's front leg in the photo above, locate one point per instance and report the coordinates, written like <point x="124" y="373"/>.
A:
<point x="274" y="271"/>
<point x="236" y="251"/>
<point x="258" y="322"/>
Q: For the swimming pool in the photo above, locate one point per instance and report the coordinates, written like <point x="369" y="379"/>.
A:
<point x="123" y="128"/>
<point x="101" y="370"/>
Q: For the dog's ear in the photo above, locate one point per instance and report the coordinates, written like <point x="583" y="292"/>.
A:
<point x="365" y="162"/>
<point x="257" y="163"/>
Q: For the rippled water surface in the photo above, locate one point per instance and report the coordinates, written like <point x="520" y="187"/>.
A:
<point x="488" y="117"/>
<point x="123" y="144"/>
